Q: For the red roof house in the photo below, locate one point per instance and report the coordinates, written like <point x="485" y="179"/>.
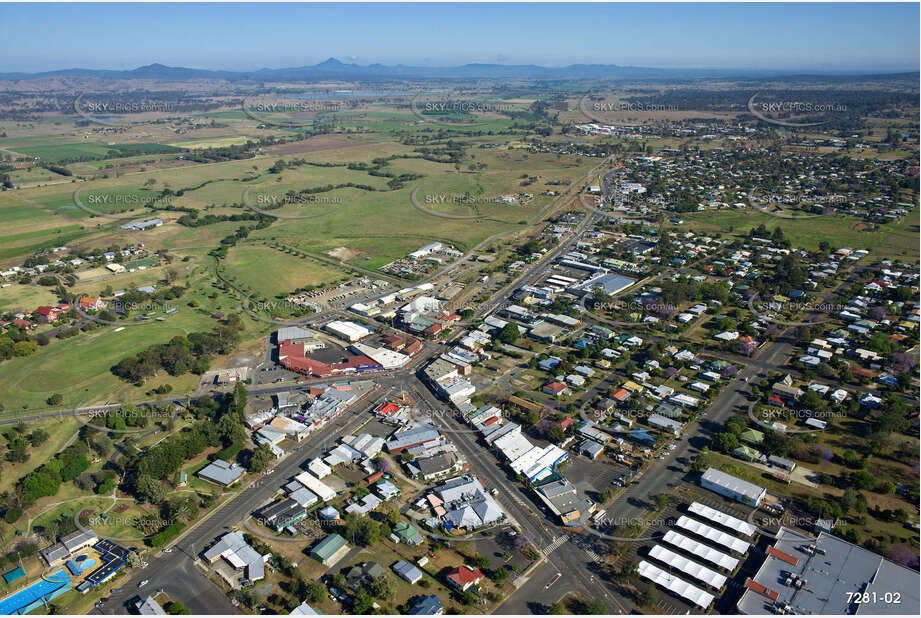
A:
<point x="555" y="388"/>
<point x="463" y="577"/>
<point x="47" y="314"/>
<point x="92" y="303"/>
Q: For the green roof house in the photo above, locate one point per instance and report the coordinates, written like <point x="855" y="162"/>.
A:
<point x="330" y="550"/>
<point x="748" y="453"/>
<point x="407" y="533"/>
<point x="752" y="436"/>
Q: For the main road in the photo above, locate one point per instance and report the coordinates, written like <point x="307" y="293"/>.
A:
<point x="175" y="572"/>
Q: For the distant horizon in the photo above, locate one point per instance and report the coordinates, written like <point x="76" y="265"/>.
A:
<point x="244" y="37"/>
<point x="805" y="70"/>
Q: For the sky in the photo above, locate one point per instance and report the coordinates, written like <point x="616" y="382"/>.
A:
<point x="242" y="36"/>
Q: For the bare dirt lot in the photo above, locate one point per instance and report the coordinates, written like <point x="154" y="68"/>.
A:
<point x="344" y="253"/>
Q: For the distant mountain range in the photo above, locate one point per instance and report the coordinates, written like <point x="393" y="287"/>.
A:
<point x="333" y="69"/>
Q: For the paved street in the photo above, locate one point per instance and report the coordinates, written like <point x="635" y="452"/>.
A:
<point x="175" y="572"/>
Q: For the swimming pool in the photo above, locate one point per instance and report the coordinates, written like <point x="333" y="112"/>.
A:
<point x="29" y="598"/>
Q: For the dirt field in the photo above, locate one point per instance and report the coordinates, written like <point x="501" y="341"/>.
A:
<point x="344" y="253"/>
<point x="315" y="144"/>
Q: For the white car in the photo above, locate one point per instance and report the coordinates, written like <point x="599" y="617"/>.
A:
<point x="143" y="583"/>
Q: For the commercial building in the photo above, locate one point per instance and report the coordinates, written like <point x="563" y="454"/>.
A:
<point x="413" y="436"/>
<point x="349" y="331"/>
<point x="139" y="226"/>
<point x="283" y="513"/>
<point x="69" y="544"/>
<point x="318" y="487"/>
<point x="222" y="473"/>
<point x="150" y="607"/>
<point x="295" y="334"/>
<point x="666" y="424"/>
<point x="234" y="549"/>
<point x="563" y="500"/>
<point x="805" y="575"/>
<point x="732" y="487"/>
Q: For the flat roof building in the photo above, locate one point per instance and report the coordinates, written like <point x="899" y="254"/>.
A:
<point x="805" y="575"/>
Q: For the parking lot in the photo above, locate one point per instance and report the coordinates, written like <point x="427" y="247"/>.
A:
<point x="593" y="476"/>
<point x="663" y="522"/>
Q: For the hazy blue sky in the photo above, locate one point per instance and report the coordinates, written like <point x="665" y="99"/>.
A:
<point x="38" y="37"/>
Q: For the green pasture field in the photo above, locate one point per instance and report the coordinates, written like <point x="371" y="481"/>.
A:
<point x="79" y="367"/>
<point x="270" y="272"/>
<point x="30" y="242"/>
<point x="25" y="297"/>
<point x="57" y="152"/>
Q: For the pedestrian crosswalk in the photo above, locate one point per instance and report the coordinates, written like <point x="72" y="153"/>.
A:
<point x="587" y="548"/>
<point x="592" y="555"/>
<point x="555" y="544"/>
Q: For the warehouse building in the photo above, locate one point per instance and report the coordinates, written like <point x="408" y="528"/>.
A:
<point x="732" y="487"/>
<point x="350" y="331"/>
